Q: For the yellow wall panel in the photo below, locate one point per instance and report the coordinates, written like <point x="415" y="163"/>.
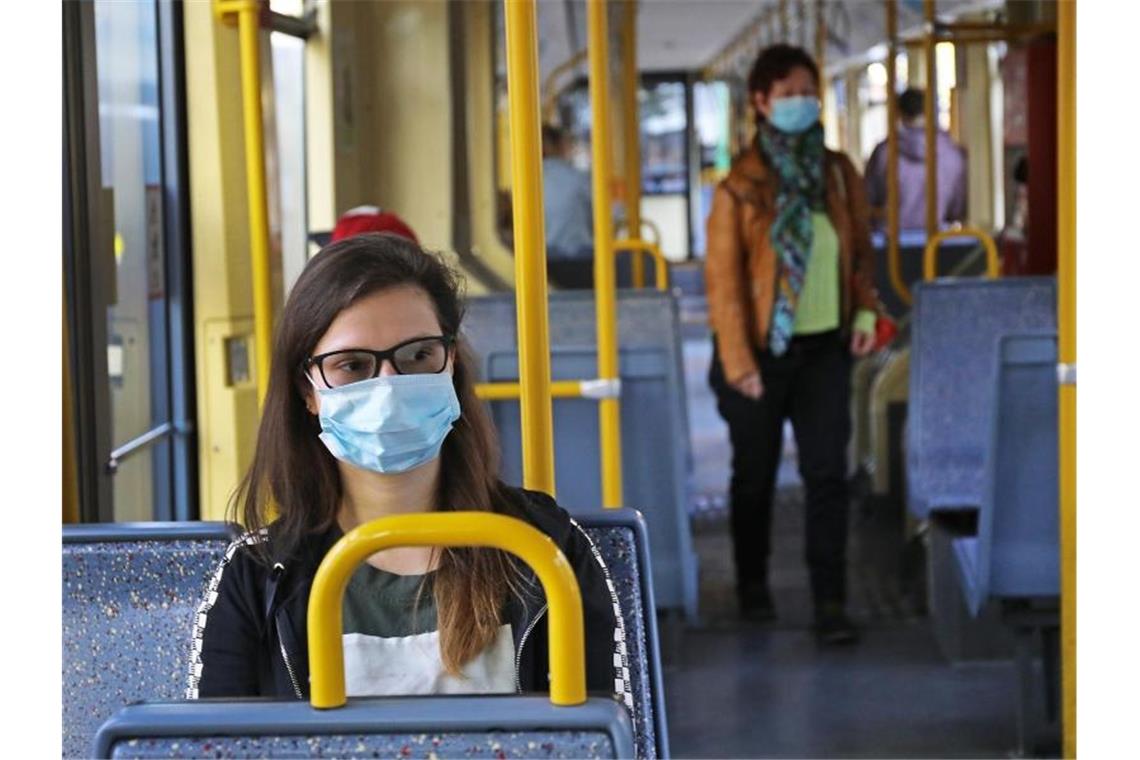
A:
<point x="223" y="297"/>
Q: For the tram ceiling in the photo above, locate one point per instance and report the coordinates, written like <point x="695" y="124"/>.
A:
<point x="678" y="35"/>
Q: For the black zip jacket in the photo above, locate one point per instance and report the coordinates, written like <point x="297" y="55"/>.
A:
<point x="250" y="636"/>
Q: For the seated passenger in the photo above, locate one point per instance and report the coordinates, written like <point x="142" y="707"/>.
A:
<point x="371" y="411"/>
<point x="568" y="210"/>
<point x="363" y="219"/>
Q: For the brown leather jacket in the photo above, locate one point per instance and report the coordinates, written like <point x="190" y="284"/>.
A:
<point x="741" y="264"/>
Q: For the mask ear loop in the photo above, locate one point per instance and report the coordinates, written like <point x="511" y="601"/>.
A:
<point x="308" y="399"/>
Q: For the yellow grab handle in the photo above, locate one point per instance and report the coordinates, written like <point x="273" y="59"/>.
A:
<point x="930" y="255"/>
<point x="661" y="269"/>
<point x="567" y="645"/>
<point x="500" y="391"/>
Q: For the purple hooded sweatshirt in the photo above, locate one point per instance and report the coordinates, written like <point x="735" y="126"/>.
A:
<point x="912" y="178"/>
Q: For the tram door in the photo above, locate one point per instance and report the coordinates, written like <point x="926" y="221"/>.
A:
<point x="125" y="263"/>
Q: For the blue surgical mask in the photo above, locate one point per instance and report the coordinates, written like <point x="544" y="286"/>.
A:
<point x="391" y="423"/>
<point x="794" y="114"/>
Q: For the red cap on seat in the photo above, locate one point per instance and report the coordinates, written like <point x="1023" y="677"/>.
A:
<point x="371" y="219"/>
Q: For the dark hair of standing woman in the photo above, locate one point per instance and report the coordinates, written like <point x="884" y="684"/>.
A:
<point x="295" y="476"/>
<point x="776" y="62"/>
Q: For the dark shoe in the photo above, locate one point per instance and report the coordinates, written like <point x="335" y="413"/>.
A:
<point x="833" y="627"/>
<point x="756" y="603"/>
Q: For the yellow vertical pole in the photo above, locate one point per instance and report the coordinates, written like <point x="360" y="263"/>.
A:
<point x="1067" y="345"/>
<point x="530" y="245"/>
<point x="893" y="262"/>
<point x="248" y="15"/>
<point x="605" y="285"/>
<point x="632" y="139"/>
<point x="930" y="102"/>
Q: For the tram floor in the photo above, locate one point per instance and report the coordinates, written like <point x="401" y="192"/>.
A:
<point x="735" y="689"/>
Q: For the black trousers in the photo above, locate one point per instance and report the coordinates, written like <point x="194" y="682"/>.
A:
<point x="810" y="384"/>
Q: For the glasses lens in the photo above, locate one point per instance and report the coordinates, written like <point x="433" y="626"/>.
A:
<point x="427" y="356"/>
<point x="348" y="367"/>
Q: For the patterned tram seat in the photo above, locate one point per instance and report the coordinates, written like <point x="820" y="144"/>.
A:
<point x="130" y="593"/>
<point x="622" y="539"/>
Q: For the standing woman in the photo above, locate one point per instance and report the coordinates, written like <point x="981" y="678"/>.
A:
<point x="371" y="411"/>
<point x="790" y="301"/>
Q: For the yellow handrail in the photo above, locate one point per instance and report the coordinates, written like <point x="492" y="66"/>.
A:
<point x="550" y="95"/>
<point x="248" y="14"/>
<point x="930" y="255"/>
<point x="894" y="263"/>
<point x="530" y="245"/>
<point x="451" y="529"/>
<point x="1067" y="355"/>
<point x="661" y="264"/>
<point x="929" y="101"/>
<point x="631" y="130"/>
<point x="605" y="278"/>
<point x="506" y="390"/>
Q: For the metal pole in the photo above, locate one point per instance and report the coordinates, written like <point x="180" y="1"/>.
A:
<point x="930" y="102"/>
<point x="783" y="20"/>
<point x="1067" y="345"/>
<point x="632" y="135"/>
<point x="530" y="245"/>
<point x="605" y="285"/>
<point x="893" y="263"/>
<point x="248" y="17"/>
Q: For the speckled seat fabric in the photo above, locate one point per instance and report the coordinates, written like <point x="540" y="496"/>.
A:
<point x="130" y="594"/>
<point x="494" y="726"/>
<point x="570" y="744"/>
<point x="955" y="327"/>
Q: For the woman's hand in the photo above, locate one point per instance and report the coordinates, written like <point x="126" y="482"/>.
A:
<point x="750" y="386"/>
<point x="862" y="343"/>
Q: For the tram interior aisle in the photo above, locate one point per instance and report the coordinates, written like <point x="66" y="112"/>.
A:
<point x="755" y="690"/>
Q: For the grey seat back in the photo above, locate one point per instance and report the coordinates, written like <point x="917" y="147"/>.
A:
<point x="130" y="594"/>
<point x="621" y="537"/>
<point x="1017" y="550"/>
<point x="654" y="420"/>
<point x="952" y="363"/>
<point x="457" y="726"/>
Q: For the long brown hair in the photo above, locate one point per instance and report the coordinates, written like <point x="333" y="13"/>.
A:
<point x="294" y="474"/>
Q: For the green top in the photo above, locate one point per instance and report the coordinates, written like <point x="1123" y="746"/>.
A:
<point x="378" y="603"/>
<point x="817" y="309"/>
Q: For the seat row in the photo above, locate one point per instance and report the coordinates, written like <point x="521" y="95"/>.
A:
<point x="130" y="594"/>
<point x="982" y="473"/>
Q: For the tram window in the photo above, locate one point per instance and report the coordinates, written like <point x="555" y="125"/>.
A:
<point x="286" y="164"/>
<point x="138" y="352"/>
<point x="712" y="112"/>
<point x="662" y="114"/>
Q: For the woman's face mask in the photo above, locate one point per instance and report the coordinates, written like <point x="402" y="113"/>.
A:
<point x="794" y="114"/>
<point x="389" y="424"/>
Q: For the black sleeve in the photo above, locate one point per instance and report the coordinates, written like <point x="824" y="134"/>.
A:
<point x="227" y="648"/>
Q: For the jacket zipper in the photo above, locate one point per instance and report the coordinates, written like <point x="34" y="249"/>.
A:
<point x="289" y="667"/>
<point x="522" y="643"/>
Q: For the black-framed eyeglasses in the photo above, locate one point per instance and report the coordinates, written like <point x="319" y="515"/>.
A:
<point x="418" y="356"/>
